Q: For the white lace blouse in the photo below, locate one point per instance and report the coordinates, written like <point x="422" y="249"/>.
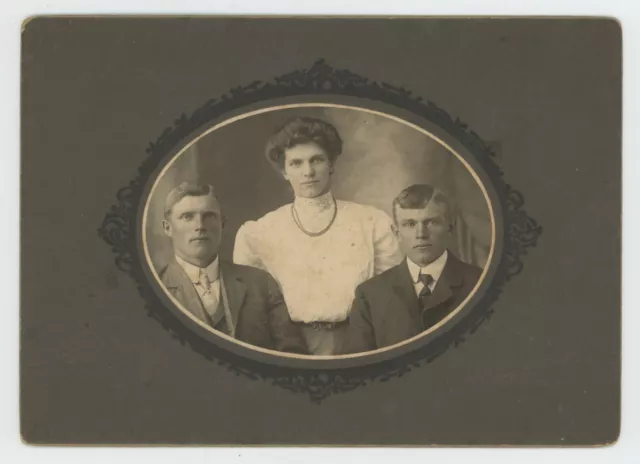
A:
<point x="318" y="275"/>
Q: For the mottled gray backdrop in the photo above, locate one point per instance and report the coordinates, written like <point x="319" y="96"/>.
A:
<point x="380" y="158"/>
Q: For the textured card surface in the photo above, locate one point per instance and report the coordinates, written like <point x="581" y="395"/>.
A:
<point x="320" y="231"/>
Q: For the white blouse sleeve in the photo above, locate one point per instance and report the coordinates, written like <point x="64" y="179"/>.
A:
<point x="244" y="251"/>
<point x="385" y="245"/>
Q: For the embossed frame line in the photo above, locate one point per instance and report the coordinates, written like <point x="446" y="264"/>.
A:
<point x="520" y="231"/>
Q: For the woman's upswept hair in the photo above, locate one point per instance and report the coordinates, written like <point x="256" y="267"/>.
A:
<point x="300" y="131"/>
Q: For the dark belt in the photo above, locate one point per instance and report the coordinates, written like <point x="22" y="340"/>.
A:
<point x="321" y="325"/>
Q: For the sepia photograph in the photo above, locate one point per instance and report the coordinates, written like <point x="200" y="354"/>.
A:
<point x="318" y="230"/>
<point x="237" y="230"/>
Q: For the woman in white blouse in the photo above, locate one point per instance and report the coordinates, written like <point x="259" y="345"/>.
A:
<point x="317" y="248"/>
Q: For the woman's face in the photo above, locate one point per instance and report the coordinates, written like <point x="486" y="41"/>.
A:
<point x="308" y="170"/>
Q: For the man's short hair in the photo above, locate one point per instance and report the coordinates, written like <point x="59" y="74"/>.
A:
<point x="418" y="196"/>
<point x="300" y="131"/>
<point x="186" y="189"/>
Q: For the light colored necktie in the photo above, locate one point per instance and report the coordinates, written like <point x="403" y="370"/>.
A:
<point x="204" y="281"/>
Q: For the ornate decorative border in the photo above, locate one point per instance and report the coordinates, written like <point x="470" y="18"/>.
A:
<point x="118" y="228"/>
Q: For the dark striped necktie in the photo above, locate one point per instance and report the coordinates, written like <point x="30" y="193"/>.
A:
<point x="426" y="280"/>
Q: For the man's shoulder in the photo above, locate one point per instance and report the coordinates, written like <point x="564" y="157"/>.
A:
<point x="247" y="273"/>
<point x="168" y="272"/>
<point x="384" y="280"/>
<point x="163" y="271"/>
<point x="468" y="271"/>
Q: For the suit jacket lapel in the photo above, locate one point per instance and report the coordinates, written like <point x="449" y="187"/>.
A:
<point x="449" y="280"/>
<point x="404" y="290"/>
<point x="178" y="283"/>
<point x="235" y="288"/>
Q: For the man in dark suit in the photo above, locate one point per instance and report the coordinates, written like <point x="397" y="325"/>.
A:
<point x="240" y="301"/>
<point x="422" y="290"/>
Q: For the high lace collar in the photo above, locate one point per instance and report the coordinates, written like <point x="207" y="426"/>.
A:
<point x="315" y="205"/>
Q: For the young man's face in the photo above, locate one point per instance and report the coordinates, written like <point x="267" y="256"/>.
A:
<point x="423" y="233"/>
<point x="195" y="227"/>
<point x="308" y="170"/>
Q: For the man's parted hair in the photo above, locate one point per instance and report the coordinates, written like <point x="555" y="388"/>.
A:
<point x="418" y="196"/>
<point x="186" y="189"/>
<point x="300" y="131"/>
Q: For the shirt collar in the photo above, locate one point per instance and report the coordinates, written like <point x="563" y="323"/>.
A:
<point x="193" y="272"/>
<point x="434" y="269"/>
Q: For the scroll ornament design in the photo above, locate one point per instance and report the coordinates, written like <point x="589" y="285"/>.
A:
<point x="118" y="229"/>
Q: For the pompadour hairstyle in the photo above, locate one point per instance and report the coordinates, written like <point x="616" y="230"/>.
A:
<point x="300" y="131"/>
<point x="418" y="196"/>
<point x="186" y="189"/>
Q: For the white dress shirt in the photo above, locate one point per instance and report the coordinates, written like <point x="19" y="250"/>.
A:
<point x="318" y="275"/>
<point x="434" y="269"/>
<point x="210" y="297"/>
